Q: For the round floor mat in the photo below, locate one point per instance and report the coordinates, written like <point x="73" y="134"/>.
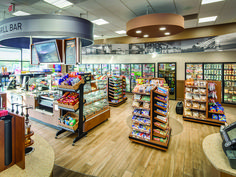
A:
<point x="175" y="125"/>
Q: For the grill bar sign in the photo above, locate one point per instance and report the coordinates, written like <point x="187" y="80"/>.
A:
<point x="11" y="27"/>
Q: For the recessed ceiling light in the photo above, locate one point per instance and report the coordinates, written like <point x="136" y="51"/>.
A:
<point x="145" y="35"/>
<point x="138" y="31"/>
<point x="95" y="36"/>
<point x="207" y="19"/>
<point x="210" y="1"/>
<point x="162" y="28"/>
<point x="100" y="22"/>
<point x="167" y="33"/>
<point x="20" y="13"/>
<point x="121" y="32"/>
<point x="59" y="3"/>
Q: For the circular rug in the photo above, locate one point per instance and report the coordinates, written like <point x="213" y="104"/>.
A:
<point x="175" y="125"/>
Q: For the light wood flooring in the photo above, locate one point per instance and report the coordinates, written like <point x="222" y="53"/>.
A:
<point x="107" y="151"/>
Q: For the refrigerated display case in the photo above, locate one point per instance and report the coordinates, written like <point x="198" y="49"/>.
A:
<point x="81" y="68"/>
<point x="97" y="69"/>
<point x="125" y="71"/>
<point x="213" y="71"/>
<point x="136" y="72"/>
<point x="194" y="70"/>
<point x="230" y="83"/>
<point x="115" y="69"/>
<point x="168" y="72"/>
<point x="89" y="68"/>
<point x="149" y="70"/>
<point x="105" y="69"/>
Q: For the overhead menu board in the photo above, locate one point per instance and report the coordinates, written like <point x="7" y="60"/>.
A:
<point x="71" y="51"/>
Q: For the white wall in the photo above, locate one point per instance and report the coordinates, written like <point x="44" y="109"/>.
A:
<point x="179" y="58"/>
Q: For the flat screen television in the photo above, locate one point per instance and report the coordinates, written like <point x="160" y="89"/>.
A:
<point x="34" y="60"/>
<point x="48" y="51"/>
<point x="72" y="51"/>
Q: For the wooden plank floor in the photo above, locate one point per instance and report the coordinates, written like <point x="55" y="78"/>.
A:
<point x="107" y="151"/>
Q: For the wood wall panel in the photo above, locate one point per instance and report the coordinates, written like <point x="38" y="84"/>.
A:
<point x="180" y="90"/>
<point x="190" y="33"/>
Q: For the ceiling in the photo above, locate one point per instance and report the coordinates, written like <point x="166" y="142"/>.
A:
<point x="118" y="12"/>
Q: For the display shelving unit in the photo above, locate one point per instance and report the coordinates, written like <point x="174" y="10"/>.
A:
<point x="64" y="110"/>
<point x="92" y="96"/>
<point x="207" y="120"/>
<point x="159" y="134"/>
<point x="116" y="90"/>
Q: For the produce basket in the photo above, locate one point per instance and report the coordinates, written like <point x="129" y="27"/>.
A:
<point x="74" y="116"/>
<point x="75" y="87"/>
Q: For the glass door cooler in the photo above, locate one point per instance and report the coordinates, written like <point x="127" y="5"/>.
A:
<point x="125" y="71"/>
<point x="105" y="69"/>
<point x="136" y="72"/>
<point x="149" y="70"/>
<point x="89" y="68"/>
<point x="230" y="83"/>
<point x="213" y="72"/>
<point x="168" y="72"/>
<point x="115" y="69"/>
<point x="97" y="69"/>
<point x="81" y="68"/>
<point x="194" y="70"/>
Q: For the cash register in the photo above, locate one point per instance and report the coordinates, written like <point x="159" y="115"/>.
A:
<point x="228" y="134"/>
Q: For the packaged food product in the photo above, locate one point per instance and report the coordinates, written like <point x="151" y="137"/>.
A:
<point x="202" y="106"/>
<point x="196" y="97"/>
<point x="188" y="104"/>
<point x="195" y="114"/>
<point x="146" y="105"/>
<point x="202" y="115"/>
<point x="196" y="105"/>
<point x="203" y="98"/>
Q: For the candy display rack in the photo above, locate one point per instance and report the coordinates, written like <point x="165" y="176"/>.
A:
<point x="150" y="124"/>
<point x="116" y="90"/>
<point x="64" y="110"/>
<point x="196" y="108"/>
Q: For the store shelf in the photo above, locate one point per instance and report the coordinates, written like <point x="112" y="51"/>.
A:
<point x="140" y="93"/>
<point x="216" y="112"/>
<point x="160" y="135"/>
<point x="120" y="93"/>
<point x="67" y="129"/>
<point x="142" y="101"/>
<point x="160" y="120"/>
<point x="140" y="108"/>
<point x="189" y="86"/>
<point x="159" y="93"/>
<point x="207" y="121"/>
<point x="114" y="98"/>
<point x="117" y="104"/>
<point x="160" y="114"/>
<point x="163" y="101"/>
<point x="160" y="127"/>
<point x="67" y="90"/>
<point x="195" y="100"/>
<point x="67" y="109"/>
<point x="196" y="93"/>
<point x="196" y="109"/>
<point x="160" y="107"/>
<point x="140" y="130"/>
<point x="137" y="122"/>
<point x="140" y="115"/>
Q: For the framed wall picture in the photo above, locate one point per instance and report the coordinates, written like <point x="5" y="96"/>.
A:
<point x="34" y="60"/>
<point x="72" y="51"/>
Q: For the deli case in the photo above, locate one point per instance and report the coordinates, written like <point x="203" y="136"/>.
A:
<point x="168" y="72"/>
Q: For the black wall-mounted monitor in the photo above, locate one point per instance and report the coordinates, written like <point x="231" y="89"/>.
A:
<point x="48" y="52"/>
<point x="72" y="51"/>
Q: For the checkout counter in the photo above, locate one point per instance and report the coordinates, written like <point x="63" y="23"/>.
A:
<point x="41" y="94"/>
